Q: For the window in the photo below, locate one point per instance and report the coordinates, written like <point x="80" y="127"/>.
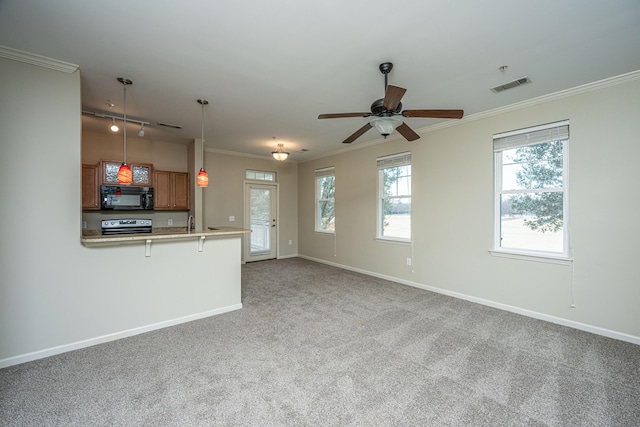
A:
<point x="531" y="190"/>
<point x="394" y="197"/>
<point x="325" y="200"/>
<point x="260" y="176"/>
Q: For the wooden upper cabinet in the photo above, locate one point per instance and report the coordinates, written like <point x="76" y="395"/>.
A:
<point x="90" y="187"/>
<point x="181" y="191"/>
<point x="142" y="173"/>
<point x="171" y="191"/>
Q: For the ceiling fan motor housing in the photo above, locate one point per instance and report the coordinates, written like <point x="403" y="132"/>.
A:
<point x="377" y="108"/>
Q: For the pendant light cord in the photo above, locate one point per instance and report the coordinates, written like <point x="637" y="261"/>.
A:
<point x="202" y="134"/>
<point x="125" y="122"/>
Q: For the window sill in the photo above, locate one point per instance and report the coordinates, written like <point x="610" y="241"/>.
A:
<point x="550" y="259"/>
<point x="327" y="233"/>
<point x="395" y="241"/>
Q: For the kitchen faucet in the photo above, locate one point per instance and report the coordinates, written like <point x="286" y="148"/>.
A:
<point x="190" y="224"/>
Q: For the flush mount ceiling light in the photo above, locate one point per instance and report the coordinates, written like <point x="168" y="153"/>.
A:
<point x="203" y="177"/>
<point x="125" y="177"/>
<point x="114" y="127"/>
<point x="279" y="154"/>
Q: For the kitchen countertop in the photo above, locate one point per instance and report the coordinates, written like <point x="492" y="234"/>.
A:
<point x="175" y="233"/>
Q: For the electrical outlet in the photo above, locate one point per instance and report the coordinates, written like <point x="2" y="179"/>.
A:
<point x="408" y="261"/>
<point x="84" y="225"/>
<point x="169" y="221"/>
<point x="232" y="218"/>
<point x="290" y="242"/>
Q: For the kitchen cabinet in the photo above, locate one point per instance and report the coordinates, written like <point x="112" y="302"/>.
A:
<point x="142" y="173"/>
<point x="90" y="187"/>
<point x="171" y="191"/>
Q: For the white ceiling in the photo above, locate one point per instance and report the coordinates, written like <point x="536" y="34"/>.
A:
<point x="268" y="68"/>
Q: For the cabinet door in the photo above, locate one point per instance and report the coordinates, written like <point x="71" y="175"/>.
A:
<point x="142" y="173"/>
<point x="162" y="190"/>
<point x="180" y="191"/>
<point x="90" y="191"/>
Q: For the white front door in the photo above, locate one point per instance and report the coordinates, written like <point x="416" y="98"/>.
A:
<point x="260" y="216"/>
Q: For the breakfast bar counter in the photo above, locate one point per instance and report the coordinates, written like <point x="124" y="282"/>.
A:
<point x="162" y="234"/>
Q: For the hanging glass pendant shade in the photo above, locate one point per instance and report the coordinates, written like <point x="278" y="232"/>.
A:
<point x="203" y="178"/>
<point x="125" y="176"/>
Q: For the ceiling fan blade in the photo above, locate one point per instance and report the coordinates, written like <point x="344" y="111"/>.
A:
<point x="392" y="97"/>
<point x="407" y="132"/>
<point x="435" y="114"/>
<point x="357" y="134"/>
<point x="341" y="115"/>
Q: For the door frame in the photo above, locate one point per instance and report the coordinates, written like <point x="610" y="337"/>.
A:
<point x="246" y="242"/>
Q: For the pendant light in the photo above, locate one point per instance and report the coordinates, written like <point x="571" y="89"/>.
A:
<point x="203" y="178"/>
<point x="279" y="154"/>
<point x="125" y="176"/>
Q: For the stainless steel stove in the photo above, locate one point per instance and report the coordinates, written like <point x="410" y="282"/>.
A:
<point x="126" y="226"/>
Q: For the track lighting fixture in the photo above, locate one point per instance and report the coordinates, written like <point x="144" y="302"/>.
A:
<point x="203" y="177"/>
<point x="279" y="154"/>
<point x="141" y="131"/>
<point x="114" y="127"/>
<point x="125" y="176"/>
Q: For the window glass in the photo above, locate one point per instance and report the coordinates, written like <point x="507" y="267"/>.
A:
<point x="531" y="202"/>
<point x="394" y="190"/>
<point x="325" y="200"/>
<point x="260" y="175"/>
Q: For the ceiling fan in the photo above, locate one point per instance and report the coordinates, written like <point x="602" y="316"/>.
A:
<point x="385" y="108"/>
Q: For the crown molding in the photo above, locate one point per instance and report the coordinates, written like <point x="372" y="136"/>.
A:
<point x="578" y="90"/>
<point x="39" y="60"/>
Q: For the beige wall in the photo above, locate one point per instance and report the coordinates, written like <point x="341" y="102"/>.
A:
<point x="163" y="155"/>
<point x="225" y="195"/>
<point x="453" y="215"/>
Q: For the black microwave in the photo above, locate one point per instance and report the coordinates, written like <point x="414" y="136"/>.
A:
<point x="124" y="197"/>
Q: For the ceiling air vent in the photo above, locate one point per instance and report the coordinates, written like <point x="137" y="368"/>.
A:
<point x="169" y="125"/>
<point x="511" y="85"/>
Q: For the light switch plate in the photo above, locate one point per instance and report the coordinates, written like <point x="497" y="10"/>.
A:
<point x="232" y="218"/>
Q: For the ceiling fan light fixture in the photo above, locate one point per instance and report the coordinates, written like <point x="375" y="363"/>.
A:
<point x="385" y="125"/>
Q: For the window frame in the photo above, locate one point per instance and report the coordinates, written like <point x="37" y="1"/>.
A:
<point x="389" y="162"/>
<point x="526" y="253"/>
<point x="319" y="174"/>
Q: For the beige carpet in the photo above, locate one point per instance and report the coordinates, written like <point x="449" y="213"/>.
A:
<point x="319" y="346"/>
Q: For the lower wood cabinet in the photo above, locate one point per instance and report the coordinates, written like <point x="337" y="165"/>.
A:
<point x="90" y="187"/>
<point x="171" y="191"/>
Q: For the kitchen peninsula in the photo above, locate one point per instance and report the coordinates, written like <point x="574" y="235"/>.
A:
<point x="163" y="278"/>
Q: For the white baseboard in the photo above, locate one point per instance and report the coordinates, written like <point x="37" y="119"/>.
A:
<point x="112" y="337"/>
<point x="529" y="313"/>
